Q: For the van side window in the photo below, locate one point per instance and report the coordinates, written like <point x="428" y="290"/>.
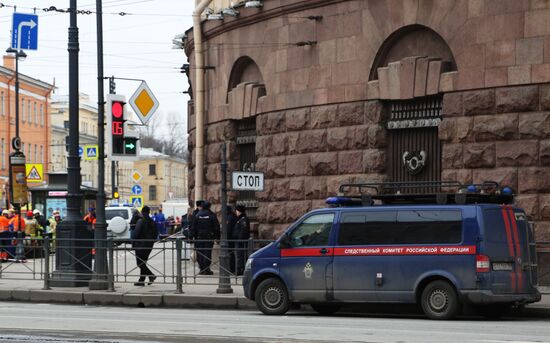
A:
<point x="313" y="231"/>
<point x="362" y="228"/>
<point x="400" y="227"/>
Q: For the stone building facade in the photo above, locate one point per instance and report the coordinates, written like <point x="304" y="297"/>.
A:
<point x="336" y="91"/>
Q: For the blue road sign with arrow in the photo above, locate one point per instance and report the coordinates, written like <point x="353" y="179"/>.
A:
<point x="24" y="31"/>
<point x="136" y="189"/>
<point x="80" y="151"/>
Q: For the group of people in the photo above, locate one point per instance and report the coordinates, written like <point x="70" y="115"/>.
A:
<point x="204" y="229"/>
<point x="33" y="225"/>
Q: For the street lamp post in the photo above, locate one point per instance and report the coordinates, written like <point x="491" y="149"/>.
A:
<point x="224" y="283"/>
<point x="18" y="187"/>
<point x="73" y="259"/>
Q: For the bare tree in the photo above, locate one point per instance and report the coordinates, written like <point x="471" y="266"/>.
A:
<point x="166" y="134"/>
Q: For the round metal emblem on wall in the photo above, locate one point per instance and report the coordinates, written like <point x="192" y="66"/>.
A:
<point x="415" y="161"/>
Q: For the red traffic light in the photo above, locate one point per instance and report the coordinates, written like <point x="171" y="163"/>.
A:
<point x="117" y="109"/>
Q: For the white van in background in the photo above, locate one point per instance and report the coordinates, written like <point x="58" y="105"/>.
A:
<point x="118" y="222"/>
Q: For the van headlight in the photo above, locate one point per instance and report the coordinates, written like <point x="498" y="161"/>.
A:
<point x="248" y="265"/>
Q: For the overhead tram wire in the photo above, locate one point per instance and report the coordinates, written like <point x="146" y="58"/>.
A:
<point x="53" y="10"/>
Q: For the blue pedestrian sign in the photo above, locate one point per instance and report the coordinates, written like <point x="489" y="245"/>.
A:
<point x="137" y="201"/>
<point x="136" y="189"/>
<point x="24" y="31"/>
<point x="91" y="152"/>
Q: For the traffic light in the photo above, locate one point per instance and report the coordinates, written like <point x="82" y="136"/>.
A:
<point x="123" y="141"/>
<point x="115" y="195"/>
<point x="117" y="126"/>
<point x="130" y="146"/>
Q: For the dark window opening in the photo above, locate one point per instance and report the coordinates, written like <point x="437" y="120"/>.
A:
<point x="152" y="169"/>
<point x="152" y="193"/>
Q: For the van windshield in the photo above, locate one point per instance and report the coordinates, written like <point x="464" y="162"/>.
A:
<point x="116" y="212"/>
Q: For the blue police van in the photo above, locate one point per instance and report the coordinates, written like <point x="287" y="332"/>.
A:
<point x="440" y="250"/>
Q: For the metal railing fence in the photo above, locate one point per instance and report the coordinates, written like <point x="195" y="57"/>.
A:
<point x="171" y="260"/>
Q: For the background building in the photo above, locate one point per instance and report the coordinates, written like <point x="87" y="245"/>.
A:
<point x="328" y="92"/>
<point x="163" y="177"/>
<point x="34" y="107"/>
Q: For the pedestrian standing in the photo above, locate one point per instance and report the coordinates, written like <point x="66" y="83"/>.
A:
<point x="206" y="229"/>
<point x="198" y="208"/>
<point x="90" y="218"/>
<point x="145" y="235"/>
<point x="133" y="221"/>
<point x="231" y="221"/>
<point x="5" y="235"/>
<point x="160" y="221"/>
<point x="42" y="222"/>
<point x="241" y="233"/>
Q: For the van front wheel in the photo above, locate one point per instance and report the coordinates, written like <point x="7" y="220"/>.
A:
<point x="439" y="300"/>
<point x="272" y="297"/>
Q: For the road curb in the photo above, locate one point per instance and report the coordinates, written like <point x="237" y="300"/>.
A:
<point x="102" y="298"/>
<point x="55" y="296"/>
<point x="142" y="300"/>
<point x="190" y="301"/>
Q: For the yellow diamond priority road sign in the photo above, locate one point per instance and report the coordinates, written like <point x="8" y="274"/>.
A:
<point x="144" y="103"/>
<point x="136" y="176"/>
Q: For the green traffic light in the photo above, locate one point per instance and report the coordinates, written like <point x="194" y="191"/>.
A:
<point x="130" y="146"/>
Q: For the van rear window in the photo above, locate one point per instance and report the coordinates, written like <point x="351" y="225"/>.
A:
<point x="400" y="227"/>
<point x="111" y="213"/>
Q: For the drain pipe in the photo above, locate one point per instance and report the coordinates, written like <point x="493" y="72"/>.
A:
<point x="199" y="99"/>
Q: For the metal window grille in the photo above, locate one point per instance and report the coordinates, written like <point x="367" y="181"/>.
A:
<point x="246" y="144"/>
<point x="414" y="145"/>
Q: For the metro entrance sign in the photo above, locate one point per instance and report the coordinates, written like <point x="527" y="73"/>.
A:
<point x="247" y="181"/>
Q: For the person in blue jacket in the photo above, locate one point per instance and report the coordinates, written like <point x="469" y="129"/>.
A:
<point x="160" y="222"/>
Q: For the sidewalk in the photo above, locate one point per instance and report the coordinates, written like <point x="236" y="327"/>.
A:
<point x="164" y="295"/>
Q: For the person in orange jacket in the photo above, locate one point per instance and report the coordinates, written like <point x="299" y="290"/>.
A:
<point x="90" y="217"/>
<point x="5" y="235"/>
<point x="14" y="222"/>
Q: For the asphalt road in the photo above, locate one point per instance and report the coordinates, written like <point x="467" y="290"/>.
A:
<point x="24" y="322"/>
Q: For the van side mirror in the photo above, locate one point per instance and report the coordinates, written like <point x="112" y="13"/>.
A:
<point x="284" y="242"/>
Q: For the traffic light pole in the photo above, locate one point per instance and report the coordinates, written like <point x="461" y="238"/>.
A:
<point x="101" y="270"/>
<point x="112" y="89"/>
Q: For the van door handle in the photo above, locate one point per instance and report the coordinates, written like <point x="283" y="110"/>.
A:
<point x="323" y="251"/>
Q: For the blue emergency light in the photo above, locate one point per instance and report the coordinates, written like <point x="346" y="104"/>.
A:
<point x="342" y="201"/>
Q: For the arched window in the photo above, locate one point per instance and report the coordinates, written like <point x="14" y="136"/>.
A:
<point x="413" y="40"/>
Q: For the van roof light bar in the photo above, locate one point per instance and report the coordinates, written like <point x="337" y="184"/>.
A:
<point x="423" y="192"/>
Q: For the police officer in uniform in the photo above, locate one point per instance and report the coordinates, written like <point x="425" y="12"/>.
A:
<point x="206" y="229"/>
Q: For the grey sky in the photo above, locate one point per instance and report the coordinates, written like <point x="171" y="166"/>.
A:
<point x="137" y="45"/>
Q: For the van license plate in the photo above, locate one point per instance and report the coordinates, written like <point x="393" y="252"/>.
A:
<point x="502" y="266"/>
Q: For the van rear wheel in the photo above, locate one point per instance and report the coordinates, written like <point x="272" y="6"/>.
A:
<point x="325" y="309"/>
<point x="439" y="300"/>
<point x="272" y="297"/>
